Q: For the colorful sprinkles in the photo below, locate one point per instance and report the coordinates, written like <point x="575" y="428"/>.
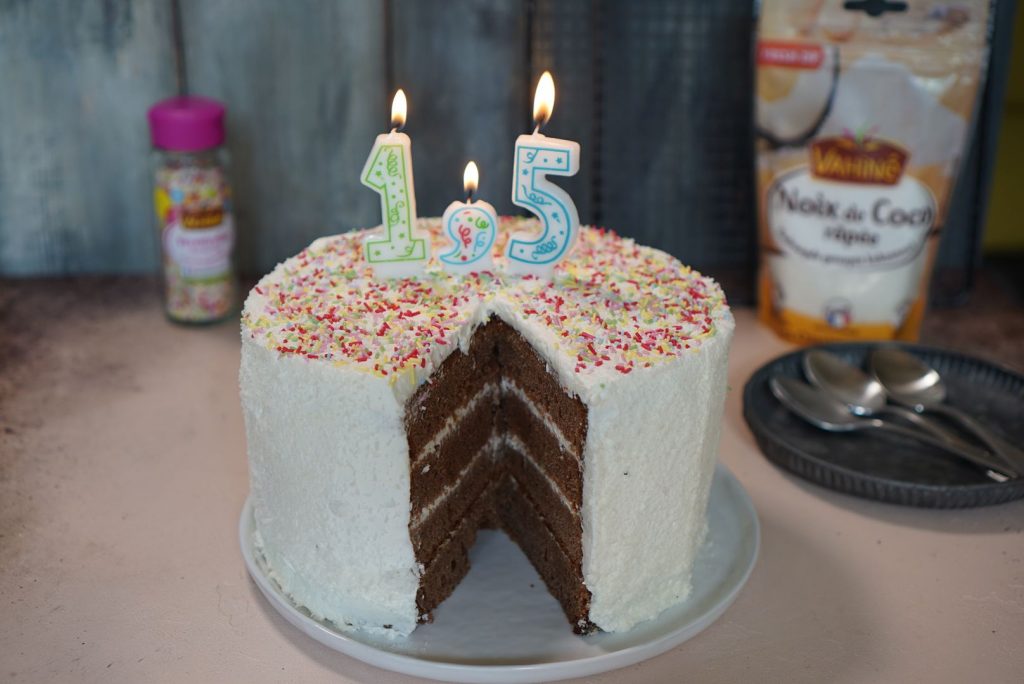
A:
<point x="612" y="306"/>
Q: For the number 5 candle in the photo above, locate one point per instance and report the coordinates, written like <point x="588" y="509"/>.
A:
<point x="538" y="156"/>
<point x="399" y="251"/>
<point x="471" y="227"/>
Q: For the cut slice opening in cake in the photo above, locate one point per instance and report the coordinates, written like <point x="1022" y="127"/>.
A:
<point x="388" y="420"/>
<point x="495" y="441"/>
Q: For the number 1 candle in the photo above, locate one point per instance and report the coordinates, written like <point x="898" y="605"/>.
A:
<point x="399" y="251"/>
<point x="471" y="227"/>
<point x="537" y="157"/>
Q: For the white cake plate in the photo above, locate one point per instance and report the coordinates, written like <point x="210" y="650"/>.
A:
<point x="502" y="625"/>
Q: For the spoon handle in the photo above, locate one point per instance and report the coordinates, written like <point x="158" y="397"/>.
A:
<point x="911" y="416"/>
<point x="995" y="470"/>
<point x="1010" y="454"/>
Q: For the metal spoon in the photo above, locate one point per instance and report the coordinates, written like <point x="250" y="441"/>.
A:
<point x="819" y="409"/>
<point x="913" y="383"/>
<point x="863" y="394"/>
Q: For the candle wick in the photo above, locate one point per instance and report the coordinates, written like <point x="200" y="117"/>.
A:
<point x="469" y="197"/>
<point x="536" y="130"/>
<point x="394" y="129"/>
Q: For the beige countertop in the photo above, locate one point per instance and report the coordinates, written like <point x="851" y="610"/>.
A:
<point x="123" y="472"/>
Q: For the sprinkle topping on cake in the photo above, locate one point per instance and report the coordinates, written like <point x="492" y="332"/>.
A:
<point x="613" y="306"/>
<point x="388" y="421"/>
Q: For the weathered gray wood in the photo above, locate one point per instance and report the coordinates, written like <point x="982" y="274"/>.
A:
<point x="304" y="83"/>
<point x="461" y="63"/>
<point x="75" y="82"/>
<point x="657" y="93"/>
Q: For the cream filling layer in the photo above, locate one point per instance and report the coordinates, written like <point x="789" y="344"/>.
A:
<point x="517" y="444"/>
<point x="490" y="390"/>
<point x="490" y="449"/>
<point x="487" y="450"/>
<point x="509" y="387"/>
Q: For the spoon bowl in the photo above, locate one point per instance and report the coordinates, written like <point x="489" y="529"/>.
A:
<point x="914" y="383"/>
<point x="815" y="406"/>
<point x="862" y="393"/>
<point x="908" y="380"/>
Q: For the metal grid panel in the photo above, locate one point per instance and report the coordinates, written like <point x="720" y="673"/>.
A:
<point x="670" y="154"/>
<point x="563" y="40"/>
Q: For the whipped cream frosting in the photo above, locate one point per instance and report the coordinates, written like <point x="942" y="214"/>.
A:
<point x="612" y="307"/>
<point x="330" y="356"/>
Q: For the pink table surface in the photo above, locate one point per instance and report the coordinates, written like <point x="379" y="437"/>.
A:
<point x="123" y="471"/>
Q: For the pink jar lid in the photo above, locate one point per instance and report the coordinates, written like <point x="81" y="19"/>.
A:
<point x="187" y="124"/>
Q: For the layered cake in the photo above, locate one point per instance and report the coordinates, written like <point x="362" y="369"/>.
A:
<point x="389" y="420"/>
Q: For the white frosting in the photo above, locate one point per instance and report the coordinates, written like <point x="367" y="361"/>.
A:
<point x="648" y="462"/>
<point x="330" y="273"/>
<point x="330" y="466"/>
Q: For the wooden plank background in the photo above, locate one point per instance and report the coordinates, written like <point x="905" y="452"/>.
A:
<point x="658" y="93"/>
<point x="75" y="82"/>
<point x="304" y="84"/>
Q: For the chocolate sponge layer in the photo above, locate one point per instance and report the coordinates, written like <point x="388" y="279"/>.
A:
<point x="500" y="465"/>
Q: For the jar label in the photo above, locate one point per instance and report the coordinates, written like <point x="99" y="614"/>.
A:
<point x="200" y="252"/>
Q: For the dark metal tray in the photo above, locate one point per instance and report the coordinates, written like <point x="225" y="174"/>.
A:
<point x="876" y="465"/>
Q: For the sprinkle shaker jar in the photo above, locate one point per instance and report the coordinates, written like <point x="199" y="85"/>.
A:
<point x="192" y="199"/>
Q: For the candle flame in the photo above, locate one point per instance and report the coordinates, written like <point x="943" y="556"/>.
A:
<point x="471" y="178"/>
<point x="544" y="99"/>
<point x="398" y="109"/>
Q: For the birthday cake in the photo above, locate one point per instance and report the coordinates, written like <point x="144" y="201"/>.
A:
<point x="389" y="420"/>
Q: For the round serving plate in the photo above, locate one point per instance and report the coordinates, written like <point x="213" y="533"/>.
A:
<point x="502" y="625"/>
<point x="876" y="465"/>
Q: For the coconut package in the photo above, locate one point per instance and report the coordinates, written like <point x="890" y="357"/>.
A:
<point x="861" y="124"/>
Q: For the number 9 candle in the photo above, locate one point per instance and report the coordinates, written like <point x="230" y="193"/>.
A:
<point x="399" y="251"/>
<point x="471" y="227"/>
<point x="537" y="157"/>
